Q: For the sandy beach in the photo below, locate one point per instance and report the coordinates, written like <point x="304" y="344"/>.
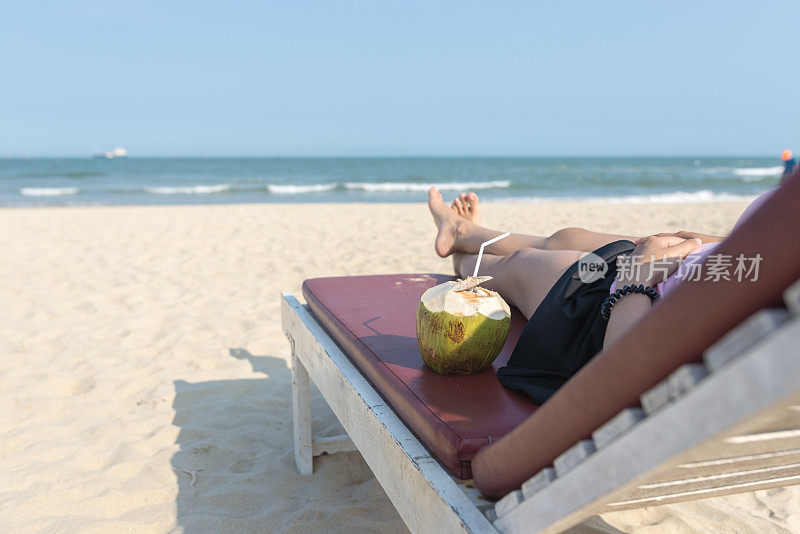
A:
<point x="145" y="379"/>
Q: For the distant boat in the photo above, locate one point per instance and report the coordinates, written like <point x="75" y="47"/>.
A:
<point x="118" y="152"/>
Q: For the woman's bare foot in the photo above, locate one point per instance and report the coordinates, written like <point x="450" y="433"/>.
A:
<point x="447" y="221"/>
<point x="466" y="206"/>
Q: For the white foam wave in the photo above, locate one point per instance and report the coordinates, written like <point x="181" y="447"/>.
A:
<point x="759" y="171"/>
<point x="411" y="186"/>
<point x="298" y="189"/>
<point x="48" y="191"/>
<point x="678" y="197"/>
<point x="188" y="190"/>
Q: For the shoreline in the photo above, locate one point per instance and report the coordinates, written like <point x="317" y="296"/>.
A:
<point x="143" y="181"/>
<point x="620" y="201"/>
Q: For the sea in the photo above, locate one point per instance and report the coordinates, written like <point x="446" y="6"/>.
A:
<point x="125" y="181"/>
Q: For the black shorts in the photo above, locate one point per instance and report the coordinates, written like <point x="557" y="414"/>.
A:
<point x="564" y="332"/>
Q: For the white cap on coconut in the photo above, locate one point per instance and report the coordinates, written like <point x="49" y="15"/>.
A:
<point x="464" y="298"/>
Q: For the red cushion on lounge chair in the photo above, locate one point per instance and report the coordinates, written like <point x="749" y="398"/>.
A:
<point x="373" y="319"/>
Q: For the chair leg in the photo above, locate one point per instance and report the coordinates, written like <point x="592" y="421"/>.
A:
<point x="301" y="416"/>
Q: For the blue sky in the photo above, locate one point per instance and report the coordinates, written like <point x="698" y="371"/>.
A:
<point x="424" y="78"/>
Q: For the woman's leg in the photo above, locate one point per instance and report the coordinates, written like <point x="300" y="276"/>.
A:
<point x="458" y="233"/>
<point x="581" y="239"/>
<point x="523" y="277"/>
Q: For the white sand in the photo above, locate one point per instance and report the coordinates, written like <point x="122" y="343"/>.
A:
<point x="142" y="344"/>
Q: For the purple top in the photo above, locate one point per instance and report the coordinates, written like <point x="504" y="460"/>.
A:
<point x="698" y="256"/>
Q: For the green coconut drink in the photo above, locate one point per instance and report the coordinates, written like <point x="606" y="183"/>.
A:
<point x="461" y="327"/>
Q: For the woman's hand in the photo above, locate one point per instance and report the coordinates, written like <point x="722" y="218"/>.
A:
<point x="654" y="259"/>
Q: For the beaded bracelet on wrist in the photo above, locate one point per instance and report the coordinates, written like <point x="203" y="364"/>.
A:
<point x="616" y="296"/>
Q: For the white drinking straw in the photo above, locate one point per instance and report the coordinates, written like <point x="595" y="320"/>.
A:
<point x="484" y="245"/>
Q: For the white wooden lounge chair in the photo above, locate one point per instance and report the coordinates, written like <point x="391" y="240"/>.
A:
<point x="729" y="425"/>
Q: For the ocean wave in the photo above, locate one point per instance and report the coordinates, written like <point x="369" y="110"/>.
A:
<point x="299" y="189"/>
<point x="658" y="198"/>
<point x="188" y="190"/>
<point x="390" y="187"/>
<point x="48" y="191"/>
<point x="759" y="172"/>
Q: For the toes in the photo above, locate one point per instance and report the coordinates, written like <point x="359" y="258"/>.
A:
<point x="472" y="198"/>
<point x="434" y="195"/>
<point x="464" y="202"/>
<point x="459" y="205"/>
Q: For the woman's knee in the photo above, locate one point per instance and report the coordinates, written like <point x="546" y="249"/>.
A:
<point x="566" y="236"/>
